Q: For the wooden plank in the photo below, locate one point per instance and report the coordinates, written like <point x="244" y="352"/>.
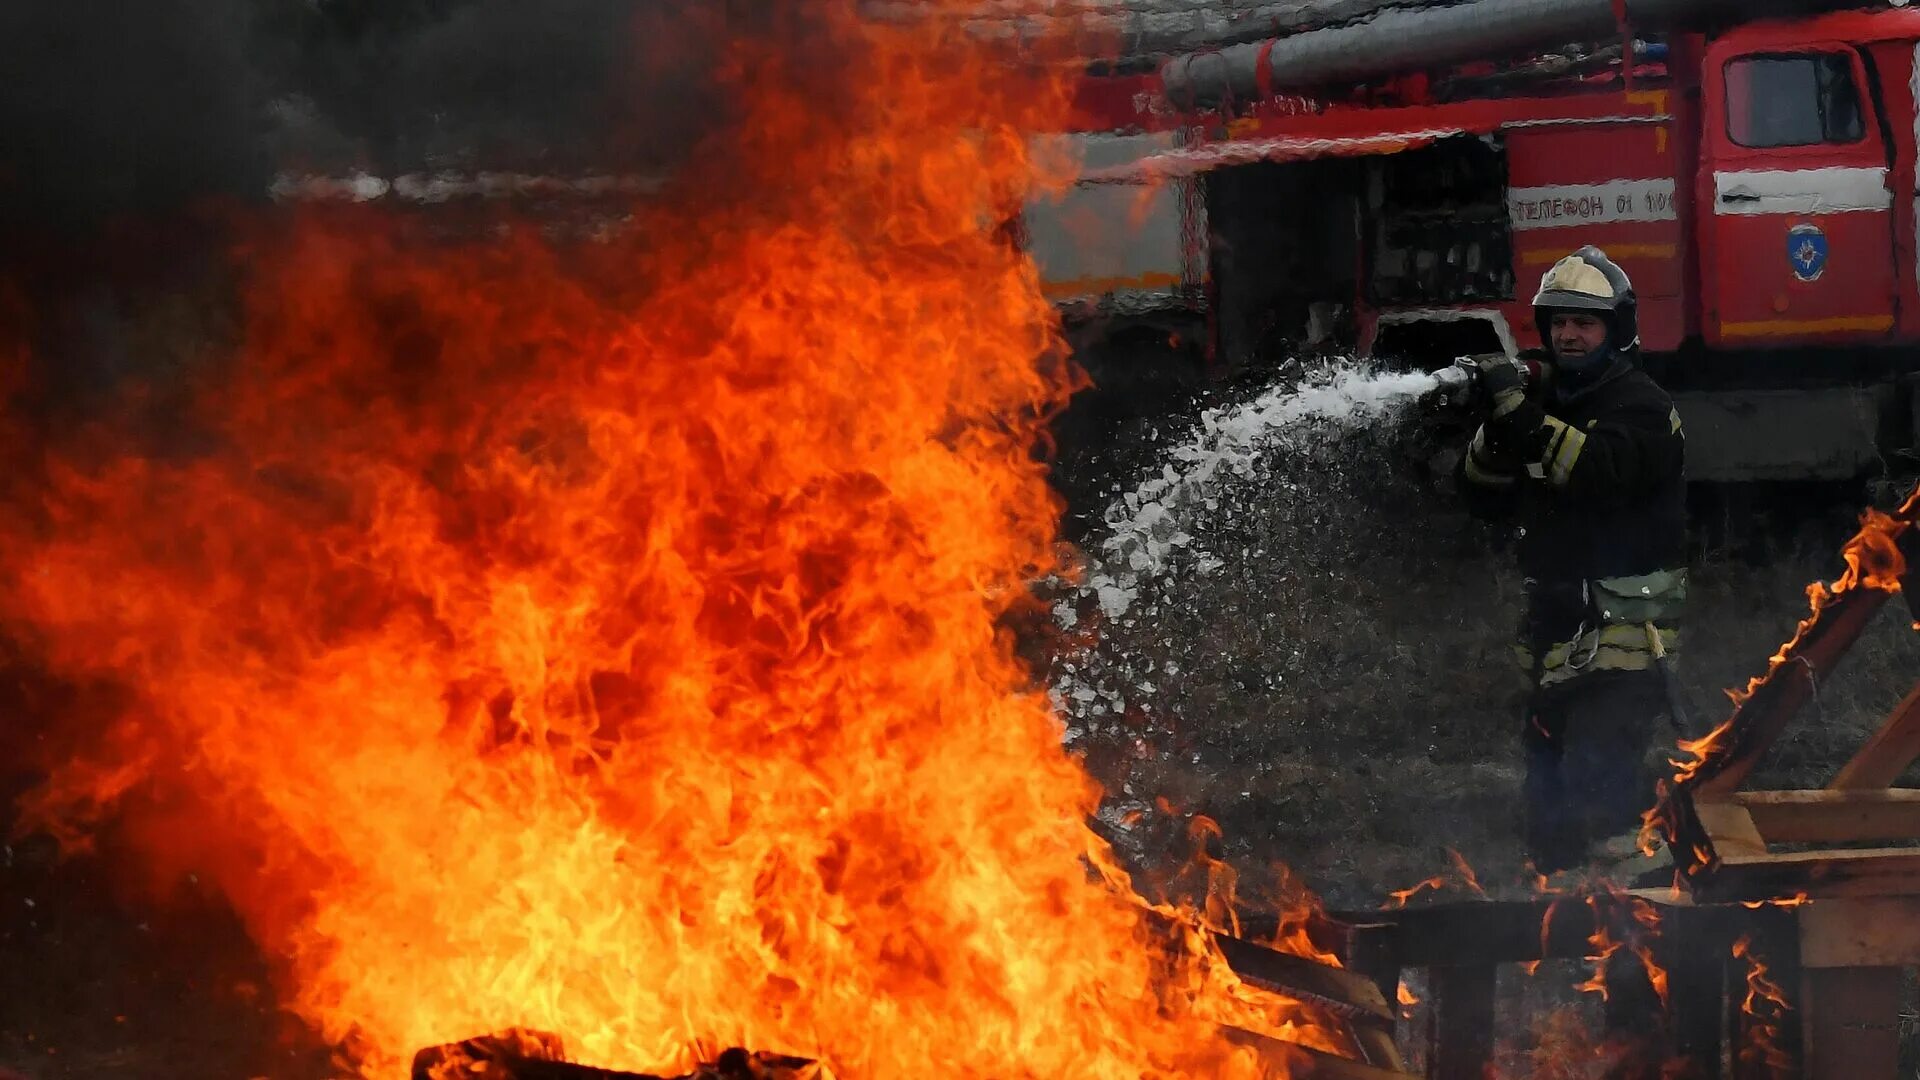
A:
<point x="1347" y="994"/>
<point x="1460" y="1021"/>
<point x="1888" y="752"/>
<point x="1864" y="932"/>
<point x="1377" y="1047"/>
<point x="1851" y="1022"/>
<point x="1372" y="949"/>
<point x="1811" y="817"/>
<point x="1473" y="932"/>
<point x="1687" y="839"/>
<point x="1869" y="872"/>
<point x="1730" y="829"/>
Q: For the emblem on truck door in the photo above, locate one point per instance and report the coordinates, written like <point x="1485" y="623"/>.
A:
<point x="1807" y="251"/>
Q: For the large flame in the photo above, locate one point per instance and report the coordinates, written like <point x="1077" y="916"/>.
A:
<point x="608" y="640"/>
<point x="1637" y="921"/>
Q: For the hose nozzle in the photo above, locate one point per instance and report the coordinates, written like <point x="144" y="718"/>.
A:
<point x="1456" y="381"/>
<point x="1459" y="375"/>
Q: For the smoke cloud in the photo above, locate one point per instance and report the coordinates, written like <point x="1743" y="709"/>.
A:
<point x="118" y="110"/>
<point x="115" y="108"/>
<point x="561" y="84"/>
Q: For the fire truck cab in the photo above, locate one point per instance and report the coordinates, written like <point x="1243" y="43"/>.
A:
<point x="1758" y="184"/>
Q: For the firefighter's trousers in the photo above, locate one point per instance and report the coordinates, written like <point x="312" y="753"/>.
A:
<point x="1589" y="775"/>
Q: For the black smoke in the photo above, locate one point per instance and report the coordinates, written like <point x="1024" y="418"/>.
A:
<point x="139" y="138"/>
<point x="507" y="84"/>
<point x="116" y="110"/>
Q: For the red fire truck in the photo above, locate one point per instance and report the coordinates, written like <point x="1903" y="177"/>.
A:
<point x="1757" y="180"/>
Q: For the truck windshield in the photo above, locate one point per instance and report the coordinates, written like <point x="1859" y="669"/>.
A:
<point x="1793" y="100"/>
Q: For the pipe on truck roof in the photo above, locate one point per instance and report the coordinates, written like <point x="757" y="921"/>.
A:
<point x="1402" y="39"/>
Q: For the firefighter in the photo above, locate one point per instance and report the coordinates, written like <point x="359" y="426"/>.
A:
<point x="1586" y="459"/>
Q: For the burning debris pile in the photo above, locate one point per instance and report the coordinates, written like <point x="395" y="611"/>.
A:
<point x="608" y="639"/>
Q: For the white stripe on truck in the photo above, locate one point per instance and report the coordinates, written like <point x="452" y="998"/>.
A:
<point x="1833" y="190"/>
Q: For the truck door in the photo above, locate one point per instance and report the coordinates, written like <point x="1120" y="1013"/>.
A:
<point x="1797" y="214"/>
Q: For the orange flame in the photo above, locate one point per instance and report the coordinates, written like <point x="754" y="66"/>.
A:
<point x="1399" y="897"/>
<point x="1643" y="929"/>
<point x="1795" y="900"/>
<point x="1468" y="881"/>
<point x="1217" y="884"/>
<point x="1604" y="947"/>
<point x="1299" y="910"/>
<point x="606" y="641"/>
<point x="1766" y="1003"/>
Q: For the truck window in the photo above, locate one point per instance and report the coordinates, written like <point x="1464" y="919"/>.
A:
<point x="1794" y="100"/>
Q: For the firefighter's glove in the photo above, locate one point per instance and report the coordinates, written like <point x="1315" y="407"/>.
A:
<point x="1503" y="388"/>
<point x="1514" y="419"/>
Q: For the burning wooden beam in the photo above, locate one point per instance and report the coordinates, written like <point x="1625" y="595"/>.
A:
<point x="1861" y="872"/>
<point x="1347" y="994"/>
<point x="1877" y="560"/>
<point x="1762" y="716"/>
<point x="1840" y="974"/>
<point x="1352" y="1002"/>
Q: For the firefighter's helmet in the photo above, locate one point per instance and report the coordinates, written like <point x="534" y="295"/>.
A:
<point x="1589" y="281"/>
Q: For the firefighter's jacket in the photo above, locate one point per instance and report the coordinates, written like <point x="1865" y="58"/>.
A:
<point x="1593" y="479"/>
